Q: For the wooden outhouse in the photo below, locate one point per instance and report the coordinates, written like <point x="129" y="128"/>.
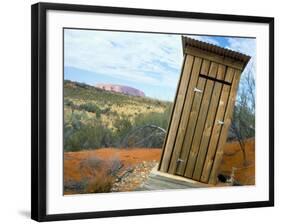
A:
<point x="202" y="111"/>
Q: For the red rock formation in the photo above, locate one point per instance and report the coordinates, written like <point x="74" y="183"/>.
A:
<point x="121" y="89"/>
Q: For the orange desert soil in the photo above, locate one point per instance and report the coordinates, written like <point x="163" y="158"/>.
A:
<point x="233" y="157"/>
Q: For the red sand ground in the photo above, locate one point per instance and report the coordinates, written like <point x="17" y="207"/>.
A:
<point x="128" y="157"/>
<point x="233" y="157"/>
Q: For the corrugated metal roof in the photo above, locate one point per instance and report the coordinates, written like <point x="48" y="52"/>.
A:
<point x="186" y="41"/>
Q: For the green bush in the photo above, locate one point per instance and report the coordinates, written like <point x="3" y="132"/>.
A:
<point x="154" y="118"/>
<point x="106" y="110"/>
<point x="68" y="102"/>
<point x="123" y="126"/>
<point x="79" y="135"/>
<point x="91" y="107"/>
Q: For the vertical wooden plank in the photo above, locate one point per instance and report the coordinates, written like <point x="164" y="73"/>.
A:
<point x="224" y="131"/>
<point x="172" y="112"/>
<point x="221" y="72"/>
<point x="173" y="108"/>
<point x="186" y="146"/>
<point x="229" y="75"/>
<point x="183" y="85"/>
<point x="185" y="114"/>
<point x="209" y="124"/>
<point x="216" y="128"/>
<point x="206" y="102"/>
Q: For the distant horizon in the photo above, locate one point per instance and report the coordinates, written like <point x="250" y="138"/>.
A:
<point x="92" y="85"/>
<point x="149" y="62"/>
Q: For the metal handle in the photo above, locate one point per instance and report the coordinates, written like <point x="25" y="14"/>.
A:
<point x="180" y="160"/>
<point x="198" y="90"/>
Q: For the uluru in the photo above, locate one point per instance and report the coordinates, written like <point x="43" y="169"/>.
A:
<point x="121" y="89"/>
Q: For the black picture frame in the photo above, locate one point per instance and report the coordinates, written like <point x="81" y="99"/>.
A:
<point x="39" y="108"/>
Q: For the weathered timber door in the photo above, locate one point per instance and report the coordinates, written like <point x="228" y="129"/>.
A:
<point x="202" y="111"/>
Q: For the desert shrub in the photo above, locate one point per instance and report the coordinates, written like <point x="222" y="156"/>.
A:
<point x="68" y="102"/>
<point x="123" y="126"/>
<point x="101" y="183"/>
<point x="82" y="85"/>
<point x="88" y="137"/>
<point x="105" y="110"/>
<point x="79" y="135"/>
<point x="99" y="174"/>
<point x="147" y="136"/>
<point x="74" y="186"/>
<point x="90" y="166"/>
<point x="112" y="113"/>
<point x="143" y="132"/>
<point x="114" y="165"/>
<point x="154" y="118"/>
<point x="93" y="165"/>
<point x="91" y="107"/>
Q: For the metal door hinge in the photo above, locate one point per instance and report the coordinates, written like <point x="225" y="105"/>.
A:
<point x="198" y="90"/>
<point x="180" y="160"/>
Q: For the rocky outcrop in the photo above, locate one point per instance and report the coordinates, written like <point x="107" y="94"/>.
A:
<point x="121" y="89"/>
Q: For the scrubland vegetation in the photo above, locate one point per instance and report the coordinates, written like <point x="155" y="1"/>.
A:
<point x="94" y="118"/>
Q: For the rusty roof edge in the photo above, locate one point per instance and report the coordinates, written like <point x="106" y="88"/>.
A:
<point x="187" y="41"/>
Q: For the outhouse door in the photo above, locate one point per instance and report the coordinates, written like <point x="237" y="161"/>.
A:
<point x="201" y="118"/>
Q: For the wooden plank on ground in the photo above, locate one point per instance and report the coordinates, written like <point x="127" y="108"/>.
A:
<point x="224" y="131"/>
<point x="192" y="121"/>
<point x="216" y="128"/>
<point x="209" y="124"/>
<point x="169" y="142"/>
<point x="200" y="123"/>
<point x="185" y="114"/>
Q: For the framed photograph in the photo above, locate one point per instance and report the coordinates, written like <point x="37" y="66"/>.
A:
<point x="140" y="111"/>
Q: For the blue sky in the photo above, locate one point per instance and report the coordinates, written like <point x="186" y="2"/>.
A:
<point x="149" y="62"/>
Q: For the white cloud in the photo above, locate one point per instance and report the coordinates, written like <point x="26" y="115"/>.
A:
<point x="246" y="46"/>
<point x="147" y="59"/>
<point x="130" y="56"/>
